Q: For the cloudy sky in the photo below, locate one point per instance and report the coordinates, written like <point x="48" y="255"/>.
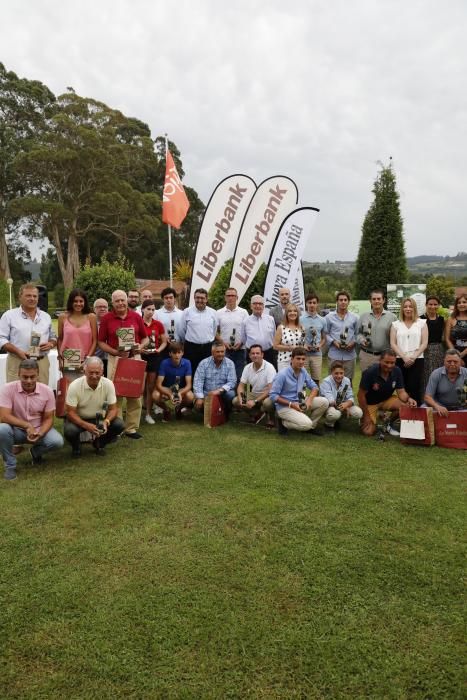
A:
<point x="319" y="91"/>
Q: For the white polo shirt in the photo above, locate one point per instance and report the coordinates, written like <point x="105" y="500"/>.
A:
<point x="87" y="401"/>
<point x="258" y="379"/>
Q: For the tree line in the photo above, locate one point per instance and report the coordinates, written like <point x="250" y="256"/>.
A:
<point x="85" y="178"/>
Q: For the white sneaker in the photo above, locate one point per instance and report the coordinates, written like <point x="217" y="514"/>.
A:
<point x="158" y="410"/>
<point x="392" y="431"/>
<point x="149" y="419"/>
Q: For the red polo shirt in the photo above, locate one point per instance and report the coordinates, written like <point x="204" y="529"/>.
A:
<point x="111" y="322"/>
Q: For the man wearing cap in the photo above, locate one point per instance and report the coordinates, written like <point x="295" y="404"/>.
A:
<point x="260" y="328"/>
<point x="27" y="409"/>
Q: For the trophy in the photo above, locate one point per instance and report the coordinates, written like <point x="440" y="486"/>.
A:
<point x="171" y="331"/>
<point x="232" y="339"/>
<point x="71" y="358"/>
<point x="314" y="342"/>
<point x="126" y="339"/>
<point x="175" y="389"/>
<point x="34" y="350"/>
<point x="462" y="396"/>
<point x="151" y="346"/>
<point x="100" y="415"/>
<point x="301" y="400"/>
<point x="243" y="398"/>
<point x="341" y="394"/>
<point x="367" y="335"/>
<point x="301" y="340"/>
<point x="343" y="338"/>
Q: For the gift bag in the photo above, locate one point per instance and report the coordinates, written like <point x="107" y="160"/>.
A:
<point x="452" y="431"/>
<point x="214" y="413"/>
<point x="412" y="420"/>
<point x="62" y="387"/>
<point x="129" y="377"/>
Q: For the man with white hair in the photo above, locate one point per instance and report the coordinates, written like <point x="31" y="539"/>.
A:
<point x="123" y="317"/>
<point x="91" y="404"/>
<point x="260" y="328"/>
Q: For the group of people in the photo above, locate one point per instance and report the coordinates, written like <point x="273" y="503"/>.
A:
<point x="199" y="351"/>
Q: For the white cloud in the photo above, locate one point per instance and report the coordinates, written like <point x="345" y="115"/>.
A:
<point x="317" y="91"/>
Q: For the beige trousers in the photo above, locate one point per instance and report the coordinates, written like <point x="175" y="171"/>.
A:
<point x="295" y="420"/>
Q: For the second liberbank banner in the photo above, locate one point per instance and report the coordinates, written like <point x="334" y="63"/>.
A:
<point x="274" y="199"/>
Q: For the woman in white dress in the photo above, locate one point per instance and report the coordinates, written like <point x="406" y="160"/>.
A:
<point x="409" y="338"/>
<point x="289" y="335"/>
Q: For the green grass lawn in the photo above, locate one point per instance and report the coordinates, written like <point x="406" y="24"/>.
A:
<point x="233" y="563"/>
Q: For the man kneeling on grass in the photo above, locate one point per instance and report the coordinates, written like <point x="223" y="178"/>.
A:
<point x="215" y="376"/>
<point x="91" y="404"/>
<point x="376" y="393"/>
<point x="287" y="392"/>
<point x="173" y="383"/>
<point x="337" y="389"/>
<point x="258" y="375"/>
<point x="27" y="410"/>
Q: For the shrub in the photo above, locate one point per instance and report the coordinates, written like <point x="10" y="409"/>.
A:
<point x="102" y="279"/>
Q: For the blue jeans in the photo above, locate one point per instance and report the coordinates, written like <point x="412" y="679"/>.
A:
<point x="238" y="357"/>
<point x="11" y="435"/>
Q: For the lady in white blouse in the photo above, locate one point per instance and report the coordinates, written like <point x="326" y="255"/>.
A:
<point x="289" y="334"/>
<point x="409" y="338"/>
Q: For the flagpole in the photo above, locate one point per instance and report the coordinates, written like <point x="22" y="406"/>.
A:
<point x="169" y="227"/>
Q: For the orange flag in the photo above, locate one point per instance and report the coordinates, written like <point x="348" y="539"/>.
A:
<point x="175" y="203"/>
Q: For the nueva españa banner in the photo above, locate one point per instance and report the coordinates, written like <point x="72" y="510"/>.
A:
<point x="220" y="229"/>
<point x="285" y="264"/>
<point x="274" y="199"/>
<point x="298" y="291"/>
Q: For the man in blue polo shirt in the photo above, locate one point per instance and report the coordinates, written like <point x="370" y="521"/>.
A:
<point x="173" y="383"/>
<point x="445" y="387"/>
<point x="287" y="386"/>
<point x="377" y="387"/>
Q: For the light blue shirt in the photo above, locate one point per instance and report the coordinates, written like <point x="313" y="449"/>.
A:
<point x="335" y="325"/>
<point x="16" y="328"/>
<point x="260" y="330"/>
<point x="288" y="385"/>
<point x="329" y="389"/>
<point x="198" y="327"/>
<point x="317" y="322"/>
<point x="209" y="377"/>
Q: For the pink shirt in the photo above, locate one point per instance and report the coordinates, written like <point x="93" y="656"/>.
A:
<point x="74" y="337"/>
<point x="28" y="407"/>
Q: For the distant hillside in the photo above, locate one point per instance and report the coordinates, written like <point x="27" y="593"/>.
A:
<point x="424" y="264"/>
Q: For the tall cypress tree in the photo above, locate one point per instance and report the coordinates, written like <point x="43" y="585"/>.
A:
<point x="381" y="256"/>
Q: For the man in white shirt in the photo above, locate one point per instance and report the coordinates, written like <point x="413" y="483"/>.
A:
<point x="91" y="404"/>
<point x="27" y="332"/>
<point x="198" y="329"/>
<point x="145" y="294"/>
<point x="258" y="376"/>
<point x="260" y="328"/>
<point x="169" y="315"/>
<point x="231" y="321"/>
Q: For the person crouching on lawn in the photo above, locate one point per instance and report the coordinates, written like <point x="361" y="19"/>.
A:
<point x="27" y="410"/>
<point x="258" y="374"/>
<point x="173" y="383"/>
<point x="287" y="392"/>
<point x="91" y="404"/>
<point x="337" y="389"/>
<point x="376" y="392"/>
<point x="216" y="376"/>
